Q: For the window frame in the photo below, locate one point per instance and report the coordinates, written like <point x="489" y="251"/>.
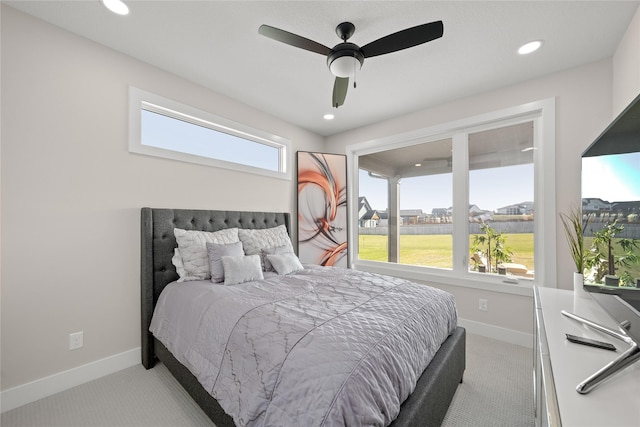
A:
<point x="542" y="113"/>
<point x="140" y="100"/>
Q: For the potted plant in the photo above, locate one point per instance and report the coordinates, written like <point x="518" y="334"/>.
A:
<point x="574" y="232"/>
<point x="491" y="244"/>
<point x="604" y="261"/>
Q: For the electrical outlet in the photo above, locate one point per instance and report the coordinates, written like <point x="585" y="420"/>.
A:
<point x="482" y="305"/>
<point x="76" y="340"/>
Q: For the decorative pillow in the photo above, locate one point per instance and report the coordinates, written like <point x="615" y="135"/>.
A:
<point x="285" y="263"/>
<point x="216" y="252"/>
<point x="177" y="262"/>
<point x="254" y="241"/>
<point x="266" y="264"/>
<point x="239" y="269"/>
<point x="193" y="249"/>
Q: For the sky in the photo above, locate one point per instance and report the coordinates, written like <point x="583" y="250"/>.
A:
<point x="177" y="135"/>
<point x="612" y="178"/>
<point x="489" y="189"/>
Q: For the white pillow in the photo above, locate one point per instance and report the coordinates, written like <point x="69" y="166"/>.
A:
<point x="254" y="241"/>
<point x="193" y="249"/>
<point x="216" y="252"/>
<point x="266" y="264"/>
<point x="285" y="263"/>
<point x="177" y="262"/>
<point x="239" y="269"/>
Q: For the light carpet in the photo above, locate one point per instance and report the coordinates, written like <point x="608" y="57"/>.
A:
<point x="497" y="391"/>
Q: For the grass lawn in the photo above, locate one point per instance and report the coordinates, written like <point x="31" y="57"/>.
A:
<point x="435" y="250"/>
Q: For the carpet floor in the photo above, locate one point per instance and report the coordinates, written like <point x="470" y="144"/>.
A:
<point x="497" y="390"/>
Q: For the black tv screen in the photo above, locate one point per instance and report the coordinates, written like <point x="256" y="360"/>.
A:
<point x="611" y="208"/>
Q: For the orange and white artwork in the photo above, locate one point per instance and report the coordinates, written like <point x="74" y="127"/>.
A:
<point x="322" y="209"/>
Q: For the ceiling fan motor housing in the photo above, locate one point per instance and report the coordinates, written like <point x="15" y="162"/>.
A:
<point x="341" y="60"/>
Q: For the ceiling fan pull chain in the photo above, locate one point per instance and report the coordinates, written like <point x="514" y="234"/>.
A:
<point x="355" y="68"/>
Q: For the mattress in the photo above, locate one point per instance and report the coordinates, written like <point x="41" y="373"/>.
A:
<point x="321" y="347"/>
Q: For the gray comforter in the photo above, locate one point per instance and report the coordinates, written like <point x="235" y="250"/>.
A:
<point x="322" y="347"/>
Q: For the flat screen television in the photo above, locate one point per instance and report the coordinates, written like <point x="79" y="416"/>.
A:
<point x="611" y="208"/>
<point x="611" y="217"/>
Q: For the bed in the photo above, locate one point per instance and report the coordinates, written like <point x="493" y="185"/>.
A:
<point x="425" y="406"/>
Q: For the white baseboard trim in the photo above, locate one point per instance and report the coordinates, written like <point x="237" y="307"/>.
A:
<point x="47" y="386"/>
<point x="497" y="332"/>
<point x="38" y="389"/>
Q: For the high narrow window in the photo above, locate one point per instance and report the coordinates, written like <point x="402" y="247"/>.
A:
<point x="165" y="128"/>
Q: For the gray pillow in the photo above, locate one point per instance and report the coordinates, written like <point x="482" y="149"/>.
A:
<point x="285" y="263"/>
<point x="216" y="252"/>
<point x="266" y="264"/>
<point x="239" y="269"/>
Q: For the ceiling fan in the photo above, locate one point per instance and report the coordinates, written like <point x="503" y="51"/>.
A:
<point x="343" y="59"/>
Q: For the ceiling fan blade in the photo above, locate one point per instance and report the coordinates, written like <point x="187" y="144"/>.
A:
<point x="404" y="39"/>
<point x="340" y="87"/>
<point x="293" y="39"/>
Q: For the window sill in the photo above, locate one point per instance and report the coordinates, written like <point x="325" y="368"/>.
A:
<point x="447" y="277"/>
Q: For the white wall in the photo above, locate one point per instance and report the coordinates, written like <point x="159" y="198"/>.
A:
<point x="72" y="193"/>
<point x="626" y="67"/>
<point x="583" y="110"/>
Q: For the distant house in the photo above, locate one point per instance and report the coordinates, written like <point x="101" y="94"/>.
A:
<point x="440" y="212"/>
<point x="475" y="214"/>
<point x="367" y="217"/>
<point x="475" y="210"/>
<point x="524" y="208"/>
<point x="383" y="218"/>
<point x="595" y="205"/>
<point x="411" y="216"/>
<point x="479" y="215"/>
<point x="363" y="206"/>
<point x="626" y="208"/>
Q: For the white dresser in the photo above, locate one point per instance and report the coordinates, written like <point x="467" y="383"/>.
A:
<point x="559" y="366"/>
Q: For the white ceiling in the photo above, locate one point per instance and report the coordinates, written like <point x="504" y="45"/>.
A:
<point x="216" y="44"/>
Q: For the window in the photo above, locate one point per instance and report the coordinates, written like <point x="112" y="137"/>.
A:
<point x="165" y="128"/>
<point x="419" y="178"/>
<point x="501" y="201"/>
<point x="469" y="202"/>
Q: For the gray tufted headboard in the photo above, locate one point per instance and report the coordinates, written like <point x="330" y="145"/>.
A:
<point x="158" y="244"/>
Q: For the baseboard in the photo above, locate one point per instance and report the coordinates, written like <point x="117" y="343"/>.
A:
<point x="497" y="332"/>
<point x="36" y="390"/>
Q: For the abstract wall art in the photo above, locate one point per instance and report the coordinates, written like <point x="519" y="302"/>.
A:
<point x="322" y="209"/>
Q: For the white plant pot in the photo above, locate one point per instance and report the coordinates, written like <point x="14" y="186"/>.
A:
<point x="578" y="285"/>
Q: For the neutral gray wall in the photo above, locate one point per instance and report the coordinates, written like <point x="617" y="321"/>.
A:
<point x="583" y="109"/>
<point x="71" y="193"/>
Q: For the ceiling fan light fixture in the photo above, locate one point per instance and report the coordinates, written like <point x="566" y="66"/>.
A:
<point x="343" y="66"/>
<point x="530" y="47"/>
<point x="328" y="116"/>
<point x="116" y="6"/>
<point x="345" y="60"/>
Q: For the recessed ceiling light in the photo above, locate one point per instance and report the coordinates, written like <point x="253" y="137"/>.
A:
<point x="116" y="6"/>
<point x="418" y="165"/>
<point x="530" y="47"/>
<point x="328" y="117"/>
